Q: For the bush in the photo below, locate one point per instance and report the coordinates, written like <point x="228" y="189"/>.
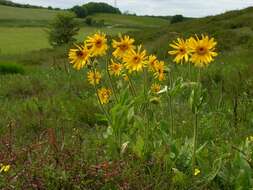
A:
<point x="176" y="19"/>
<point x="89" y="21"/>
<point x="81" y="12"/>
<point x="93" y="8"/>
<point x="63" y="29"/>
<point x="11" y="68"/>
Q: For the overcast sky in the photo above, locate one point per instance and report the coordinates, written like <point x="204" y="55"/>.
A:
<point x="193" y="8"/>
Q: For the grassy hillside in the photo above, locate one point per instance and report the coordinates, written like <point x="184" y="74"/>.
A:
<point x="23" y="30"/>
<point x="23" y="17"/>
<point x="132" y="21"/>
<point x="233" y="29"/>
<point x="12" y="16"/>
<point x="19" y="40"/>
<point x="54" y="135"/>
<point x="14" y="13"/>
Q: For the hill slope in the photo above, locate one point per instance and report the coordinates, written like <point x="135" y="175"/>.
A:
<point x="14" y="13"/>
<point x="13" y="16"/>
<point x="232" y="30"/>
<point x="131" y="21"/>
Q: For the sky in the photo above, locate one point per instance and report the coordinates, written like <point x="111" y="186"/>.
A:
<point x="190" y="8"/>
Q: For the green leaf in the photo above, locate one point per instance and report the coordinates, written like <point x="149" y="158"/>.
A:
<point x="139" y="147"/>
<point x="130" y="114"/>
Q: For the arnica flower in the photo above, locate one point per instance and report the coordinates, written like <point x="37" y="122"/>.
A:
<point x="196" y="171"/>
<point x="181" y="51"/>
<point x="115" y="68"/>
<point x="159" y="73"/>
<point x="123" y="46"/>
<point x="4" y="168"/>
<point x="135" y="60"/>
<point x="155" y="88"/>
<point x="125" y="77"/>
<point x="97" y="44"/>
<point x="79" y="56"/>
<point x="94" y="77"/>
<point x="203" y="50"/>
<point x="104" y="95"/>
<point x="152" y="62"/>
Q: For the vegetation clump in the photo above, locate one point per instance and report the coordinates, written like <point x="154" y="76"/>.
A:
<point x="63" y="29"/>
<point x="92" y="8"/>
<point x="177" y="18"/>
<point x="11" y="68"/>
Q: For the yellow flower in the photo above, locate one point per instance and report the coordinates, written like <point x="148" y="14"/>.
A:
<point x="152" y="62"/>
<point x="135" y="60"/>
<point x="203" y="50"/>
<point x="159" y="71"/>
<point x="79" y="56"/>
<point x="125" y="77"/>
<point x="94" y="77"/>
<point x="4" y="168"/>
<point x="115" y="68"/>
<point x="181" y="51"/>
<point x="123" y="46"/>
<point x="155" y="88"/>
<point x="97" y="44"/>
<point x="196" y="171"/>
<point x="104" y="95"/>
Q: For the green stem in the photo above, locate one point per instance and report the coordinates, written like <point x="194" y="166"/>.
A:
<point x="111" y="83"/>
<point x="195" y="136"/>
<point x="170" y="99"/>
<point x="171" y="115"/>
<point x="195" y="132"/>
<point x="100" y="103"/>
<point x="131" y="85"/>
<point x="199" y="75"/>
<point x="145" y="88"/>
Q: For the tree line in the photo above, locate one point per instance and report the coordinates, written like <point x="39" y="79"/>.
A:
<point x="19" y="5"/>
<point x="92" y="8"/>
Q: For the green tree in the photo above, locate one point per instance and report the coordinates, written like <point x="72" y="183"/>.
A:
<point x="81" y="12"/>
<point x="100" y="8"/>
<point x="176" y="19"/>
<point x="89" y="21"/>
<point x="63" y="29"/>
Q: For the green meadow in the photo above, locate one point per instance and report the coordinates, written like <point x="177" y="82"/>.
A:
<point x="19" y="40"/>
<point x="23" y="30"/>
<point x="196" y="134"/>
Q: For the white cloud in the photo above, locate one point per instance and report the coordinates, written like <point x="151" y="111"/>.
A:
<point x="194" y="8"/>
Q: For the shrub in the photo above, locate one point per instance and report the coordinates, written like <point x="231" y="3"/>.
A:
<point x="11" y="68"/>
<point x="100" y="8"/>
<point x="89" y="21"/>
<point x="63" y="29"/>
<point x="176" y="19"/>
<point x="81" y="12"/>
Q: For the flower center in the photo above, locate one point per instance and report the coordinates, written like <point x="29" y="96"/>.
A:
<point x="137" y="59"/>
<point x="79" y="53"/>
<point x="99" y="43"/>
<point x="182" y="50"/>
<point x="116" y="67"/>
<point x="123" y="47"/>
<point x="202" y="50"/>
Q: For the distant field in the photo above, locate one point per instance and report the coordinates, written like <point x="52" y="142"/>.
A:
<point x="12" y="13"/>
<point x="24" y="17"/>
<point x="131" y="21"/>
<point x="11" y="16"/>
<point x="23" y="29"/>
<point x="16" y="40"/>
